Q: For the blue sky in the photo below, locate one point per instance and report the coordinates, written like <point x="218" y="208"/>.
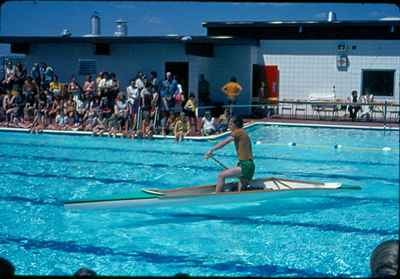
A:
<point x="161" y="18"/>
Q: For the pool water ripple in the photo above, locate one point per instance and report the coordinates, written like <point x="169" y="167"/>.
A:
<point x="307" y="234"/>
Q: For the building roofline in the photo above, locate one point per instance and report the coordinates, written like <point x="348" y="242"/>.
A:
<point x="249" y="24"/>
<point x="217" y="40"/>
<point x="318" y="30"/>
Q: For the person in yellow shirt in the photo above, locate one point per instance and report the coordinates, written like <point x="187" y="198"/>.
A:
<point x="245" y="168"/>
<point x="55" y="86"/>
<point x="232" y="90"/>
<point x="190" y="110"/>
<point x="182" y="127"/>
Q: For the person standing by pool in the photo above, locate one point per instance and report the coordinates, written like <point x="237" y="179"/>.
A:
<point x="204" y="91"/>
<point x="245" y="167"/>
<point x="167" y="90"/>
<point x="190" y="111"/>
<point x="232" y="91"/>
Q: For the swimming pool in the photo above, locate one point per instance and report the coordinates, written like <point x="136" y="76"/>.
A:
<point x="304" y="234"/>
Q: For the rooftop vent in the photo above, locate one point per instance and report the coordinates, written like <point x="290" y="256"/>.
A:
<point x="122" y="28"/>
<point x="66" y="33"/>
<point x="94" y="25"/>
<point x="331" y="16"/>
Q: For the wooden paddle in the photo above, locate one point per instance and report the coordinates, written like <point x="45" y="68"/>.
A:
<point x="219" y="163"/>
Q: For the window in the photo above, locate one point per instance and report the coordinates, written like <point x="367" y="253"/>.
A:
<point x="378" y="82"/>
<point x="87" y="67"/>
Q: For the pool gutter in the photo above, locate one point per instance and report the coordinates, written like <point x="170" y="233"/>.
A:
<point x="213" y="137"/>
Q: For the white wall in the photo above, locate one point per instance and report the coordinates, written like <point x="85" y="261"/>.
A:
<point x="231" y="61"/>
<point x="305" y="66"/>
<point x="125" y="59"/>
<point x="198" y="65"/>
<point x="309" y="66"/>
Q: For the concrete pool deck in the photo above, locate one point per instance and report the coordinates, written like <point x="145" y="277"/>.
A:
<point x="248" y="123"/>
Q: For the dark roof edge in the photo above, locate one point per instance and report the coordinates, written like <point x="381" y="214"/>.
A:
<point x="129" y="39"/>
<point x="303" y="30"/>
<point x="278" y="23"/>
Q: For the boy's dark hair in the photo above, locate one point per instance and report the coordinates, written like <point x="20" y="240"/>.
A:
<point x="84" y="272"/>
<point x="7" y="269"/>
<point x="233" y="79"/>
<point x="238" y="120"/>
<point x="191" y="95"/>
<point x="384" y="259"/>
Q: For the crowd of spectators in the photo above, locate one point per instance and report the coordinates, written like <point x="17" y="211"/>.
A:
<point x="38" y="100"/>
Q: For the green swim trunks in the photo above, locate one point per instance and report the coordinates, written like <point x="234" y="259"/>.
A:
<point x="248" y="169"/>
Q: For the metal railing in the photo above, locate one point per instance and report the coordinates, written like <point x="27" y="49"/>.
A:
<point x="385" y="112"/>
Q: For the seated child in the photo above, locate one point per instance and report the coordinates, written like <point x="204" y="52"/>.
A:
<point x="147" y="130"/>
<point x="70" y="120"/>
<point x="61" y="119"/>
<point x="207" y="124"/>
<point x="182" y="127"/>
<point x="90" y="119"/>
<point x="99" y="126"/>
<point x="223" y="121"/>
<point x="114" y="125"/>
<point x="171" y="124"/>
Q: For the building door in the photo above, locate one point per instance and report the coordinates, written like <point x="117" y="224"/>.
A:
<point x="257" y="82"/>
<point x="265" y="83"/>
<point x="181" y="71"/>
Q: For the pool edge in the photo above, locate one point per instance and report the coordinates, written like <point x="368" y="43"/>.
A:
<point x="213" y="137"/>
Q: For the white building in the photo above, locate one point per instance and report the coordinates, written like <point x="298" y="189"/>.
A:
<point x="324" y="58"/>
<point x="319" y="58"/>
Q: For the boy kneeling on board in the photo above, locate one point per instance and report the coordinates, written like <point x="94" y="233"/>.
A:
<point x="245" y="167"/>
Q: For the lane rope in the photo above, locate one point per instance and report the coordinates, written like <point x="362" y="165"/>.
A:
<point x="335" y="146"/>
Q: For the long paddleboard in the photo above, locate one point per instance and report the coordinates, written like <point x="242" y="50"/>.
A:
<point x="269" y="184"/>
<point x="262" y="189"/>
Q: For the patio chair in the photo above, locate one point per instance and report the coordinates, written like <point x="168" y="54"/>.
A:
<point x="300" y="108"/>
<point x="394" y="115"/>
<point x="377" y="110"/>
<point x="287" y="107"/>
<point x="319" y="108"/>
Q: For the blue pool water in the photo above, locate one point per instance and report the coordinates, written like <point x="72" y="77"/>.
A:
<point x="307" y="234"/>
